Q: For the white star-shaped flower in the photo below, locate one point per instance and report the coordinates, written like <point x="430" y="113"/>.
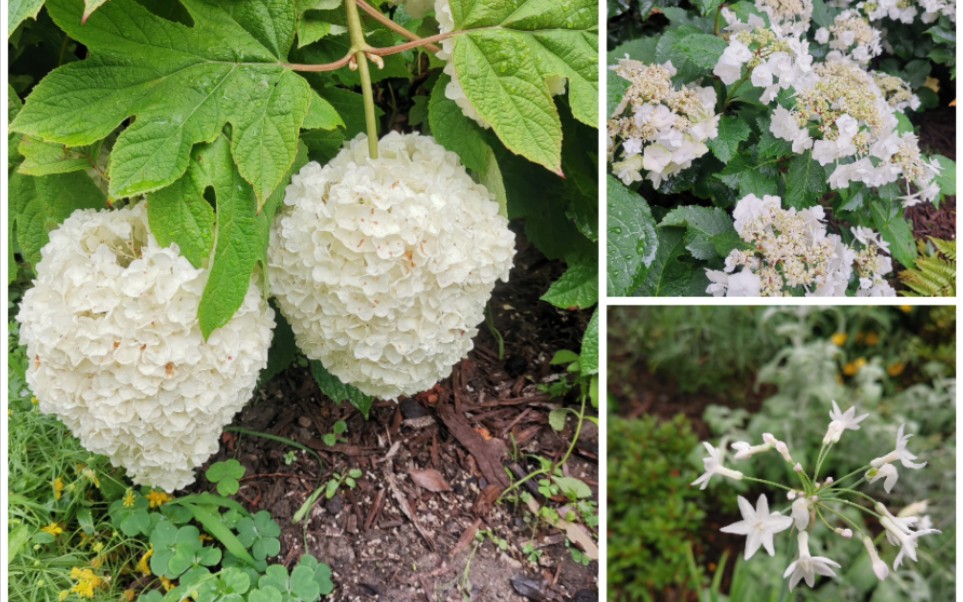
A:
<point x="842" y="421"/>
<point x="899" y="454"/>
<point x="807" y="567"/>
<point x="900" y="534"/>
<point x="758" y="525"/>
<point x="713" y="464"/>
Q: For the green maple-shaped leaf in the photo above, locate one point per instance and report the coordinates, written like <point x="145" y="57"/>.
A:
<point x="181" y="85"/>
<point x="508" y="52"/>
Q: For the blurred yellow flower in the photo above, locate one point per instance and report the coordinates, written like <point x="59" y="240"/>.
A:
<point x="142" y="566"/>
<point x="129" y="595"/>
<point x="58" y="487"/>
<point x="53" y="529"/>
<point x="896" y="369"/>
<point x="158" y="498"/>
<point x="63" y="595"/>
<point x="87" y="582"/>
<point x="34" y="400"/>
<point x="167" y="584"/>
<point x="97" y="561"/>
<point x="129" y="499"/>
<point x="90" y="475"/>
<point x="839" y="339"/>
<point x="906" y="308"/>
<point x="854" y="367"/>
<point x="871" y="339"/>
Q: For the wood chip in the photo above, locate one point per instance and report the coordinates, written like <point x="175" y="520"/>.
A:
<point x="488" y="454"/>
<point x="430" y="479"/>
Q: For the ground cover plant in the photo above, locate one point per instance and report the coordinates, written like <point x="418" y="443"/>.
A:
<point x="303" y="203"/>
<point x="777" y="148"/>
<point x="892" y="367"/>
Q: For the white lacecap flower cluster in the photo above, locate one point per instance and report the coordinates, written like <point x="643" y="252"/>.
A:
<point x="453" y="90"/>
<point x="384" y="266"/>
<point x="776" y="60"/>
<point x="851" y="36"/>
<point x="117" y="354"/>
<point x="789" y="16"/>
<point x="824" y="498"/>
<point x="902" y="11"/>
<point x="657" y="128"/>
<point x="856" y="128"/>
<point x="790" y="249"/>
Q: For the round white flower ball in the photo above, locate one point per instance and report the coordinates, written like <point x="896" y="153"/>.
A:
<point x="384" y="266"/>
<point x="116" y="352"/>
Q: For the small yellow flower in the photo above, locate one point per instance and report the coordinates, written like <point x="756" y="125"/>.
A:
<point x="906" y="308"/>
<point x="97" y="547"/>
<point x="142" y="565"/>
<point x="53" y="529"/>
<point x="871" y="339"/>
<point x="839" y="339"/>
<point x="58" y="487"/>
<point x="896" y="369"/>
<point x="129" y="595"/>
<point x="167" y="584"/>
<point x="34" y="400"/>
<point x="933" y="83"/>
<point x="63" y="595"/>
<point x="97" y="561"/>
<point x="156" y="499"/>
<point x="87" y="582"/>
<point x="129" y="498"/>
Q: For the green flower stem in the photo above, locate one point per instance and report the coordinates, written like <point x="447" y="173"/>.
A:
<point x="360" y="47"/>
<point x="766" y="482"/>
<point x="376" y="14"/>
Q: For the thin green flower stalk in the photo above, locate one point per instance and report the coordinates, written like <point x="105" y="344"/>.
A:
<point x="821" y="500"/>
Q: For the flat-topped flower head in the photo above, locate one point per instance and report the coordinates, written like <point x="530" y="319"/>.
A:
<point x="791" y="249"/>
<point x="790" y="16"/>
<point x="713" y="465"/>
<point x="759" y="525"/>
<point x="807" y="567"/>
<point x="657" y="128"/>
<point x="851" y="36"/>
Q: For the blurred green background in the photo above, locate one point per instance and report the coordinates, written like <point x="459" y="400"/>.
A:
<point x="681" y="375"/>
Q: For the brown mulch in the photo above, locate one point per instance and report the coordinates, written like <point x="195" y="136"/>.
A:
<point x="937" y="135"/>
<point x="433" y="467"/>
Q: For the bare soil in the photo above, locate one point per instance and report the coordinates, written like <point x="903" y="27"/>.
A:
<point x="393" y="539"/>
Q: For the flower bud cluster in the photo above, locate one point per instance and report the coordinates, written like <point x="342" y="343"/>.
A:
<point x="117" y="354"/>
<point x="823" y="499"/>
<point x="658" y="128"/>
<point x="789" y="250"/>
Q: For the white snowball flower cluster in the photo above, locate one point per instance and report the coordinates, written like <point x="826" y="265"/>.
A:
<point x="824" y="498"/>
<point x="116" y="352"/>
<point x="384" y="266"/>
<point x="857" y="130"/>
<point x="851" y="36"/>
<point x="776" y="60"/>
<point x="453" y="90"/>
<point x="791" y="250"/>
<point x="903" y="11"/>
<point x="657" y="128"/>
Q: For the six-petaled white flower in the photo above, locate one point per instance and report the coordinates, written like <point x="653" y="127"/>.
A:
<point x="807" y="567"/>
<point x="759" y="525"/>
<point x="842" y="421"/>
<point x="713" y="464"/>
<point x="899" y="533"/>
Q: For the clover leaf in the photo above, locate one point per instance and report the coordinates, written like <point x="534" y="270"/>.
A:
<point x="260" y="534"/>
<point x="226" y="476"/>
